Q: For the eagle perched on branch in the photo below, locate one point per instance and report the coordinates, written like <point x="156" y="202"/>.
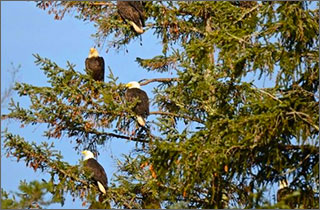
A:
<point x="132" y="12"/>
<point x="95" y="65"/>
<point x="141" y="109"/>
<point x="98" y="173"/>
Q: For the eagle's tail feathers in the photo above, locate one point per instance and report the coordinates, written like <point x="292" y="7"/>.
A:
<point x="101" y="188"/>
<point x="136" y="28"/>
<point x="141" y="121"/>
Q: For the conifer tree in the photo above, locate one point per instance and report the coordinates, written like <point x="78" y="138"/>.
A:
<point x="221" y="141"/>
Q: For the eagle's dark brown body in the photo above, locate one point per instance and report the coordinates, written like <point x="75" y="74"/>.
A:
<point x="283" y="194"/>
<point x="132" y="11"/>
<point x="142" y="106"/>
<point x="95" y="68"/>
<point x="99" y="175"/>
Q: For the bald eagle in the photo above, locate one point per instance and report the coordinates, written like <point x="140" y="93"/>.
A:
<point x="283" y="189"/>
<point x="283" y="192"/>
<point x="99" y="175"/>
<point x="95" y="65"/>
<point x="141" y="109"/>
<point x="133" y="13"/>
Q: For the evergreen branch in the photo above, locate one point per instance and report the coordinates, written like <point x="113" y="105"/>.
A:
<point x="302" y="118"/>
<point x="30" y="196"/>
<point x="66" y="174"/>
<point x="31" y="154"/>
<point x="294" y="112"/>
<point x="147" y="81"/>
<point x="246" y="13"/>
<point x="176" y="115"/>
<point x="3" y="117"/>
<point x="36" y="120"/>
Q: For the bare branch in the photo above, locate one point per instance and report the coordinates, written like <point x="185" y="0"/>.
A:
<point x="147" y="81"/>
<point x="103" y="3"/>
<point x="9" y="90"/>
<point x="124" y="137"/>
<point x="270" y="95"/>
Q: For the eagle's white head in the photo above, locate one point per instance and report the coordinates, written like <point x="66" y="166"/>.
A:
<point x="87" y="154"/>
<point x="93" y="53"/>
<point x="133" y="84"/>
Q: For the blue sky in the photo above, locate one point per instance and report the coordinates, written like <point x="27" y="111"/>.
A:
<point x="34" y="31"/>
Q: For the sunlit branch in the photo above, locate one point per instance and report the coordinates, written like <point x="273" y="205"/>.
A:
<point x="147" y="81"/>
<point x="103" y="3"/>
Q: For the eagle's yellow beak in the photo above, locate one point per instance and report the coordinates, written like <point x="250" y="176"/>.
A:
<point x="128" y="85"/>
<point x="93" y="52"/>
<point x="83" y="152"/>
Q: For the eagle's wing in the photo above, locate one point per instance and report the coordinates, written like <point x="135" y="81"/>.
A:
<point x="131" y="11"/>
<point x="142" y="107"/>
<point x="138" y="6"/>
<point x="95" y="68"/>
<point x="99" y="174"/>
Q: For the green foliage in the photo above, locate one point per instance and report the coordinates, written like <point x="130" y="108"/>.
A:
<point x="31" y="195"/>
<point x="223" y="142"/>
